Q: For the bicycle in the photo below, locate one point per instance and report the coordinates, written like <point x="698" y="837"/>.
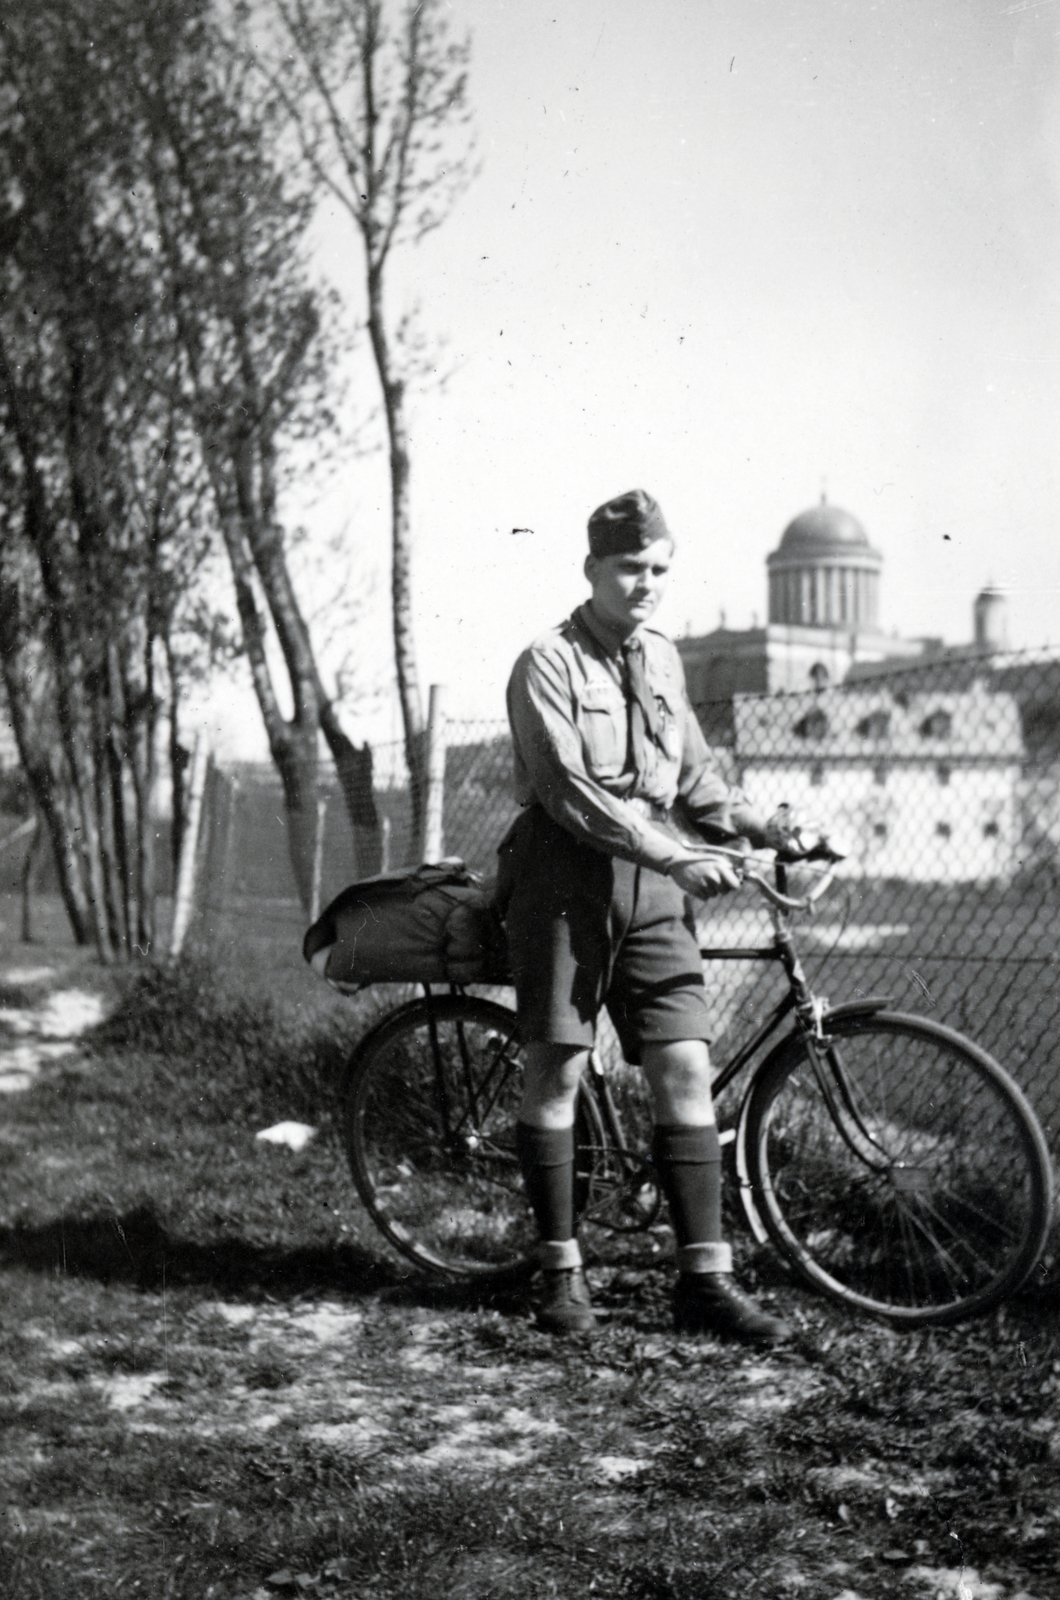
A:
<point x="892" y="1163"/>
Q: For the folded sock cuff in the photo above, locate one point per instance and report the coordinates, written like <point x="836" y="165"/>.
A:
<point x="693" y="1258"/>
<point x="557" y="1255"/>
<point x="678" y="1146"/>
<point x="543" y="1147"/>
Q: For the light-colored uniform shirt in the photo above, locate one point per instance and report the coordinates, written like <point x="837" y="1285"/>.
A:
<point x="569" y="709"/>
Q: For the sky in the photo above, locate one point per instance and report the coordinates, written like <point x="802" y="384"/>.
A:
<point x="734" y="252"/>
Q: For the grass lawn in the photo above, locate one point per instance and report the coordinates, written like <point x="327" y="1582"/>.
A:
<point x="215" y="1382"/>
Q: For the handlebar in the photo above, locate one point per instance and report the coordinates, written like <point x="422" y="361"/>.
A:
<point x="780" y="902"/>
<point x="785" y="902"/>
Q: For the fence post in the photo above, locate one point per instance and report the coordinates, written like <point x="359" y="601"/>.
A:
<point x="224" y="871"/>
<point x="432" y="815"/>
<point x="318" y="858"/>
<point x="189" y="848"/>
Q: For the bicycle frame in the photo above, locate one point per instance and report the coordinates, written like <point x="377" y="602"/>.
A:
<point x="809" y="1012"/>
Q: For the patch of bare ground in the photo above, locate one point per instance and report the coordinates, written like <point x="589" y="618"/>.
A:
<point x="215" y="1386"/>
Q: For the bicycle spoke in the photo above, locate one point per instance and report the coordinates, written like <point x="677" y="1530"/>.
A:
<point x="956" y="1276"/>
<point x="964" y="1241"/>
<point x="984" y="1218"/>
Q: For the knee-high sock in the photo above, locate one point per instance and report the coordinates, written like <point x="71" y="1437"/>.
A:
<point x="546" y="1161"/>
<point x="688" y="1161"/>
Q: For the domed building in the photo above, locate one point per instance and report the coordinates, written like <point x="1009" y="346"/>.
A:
<point x="825" y="574"/>
<point x="823" y="617"/>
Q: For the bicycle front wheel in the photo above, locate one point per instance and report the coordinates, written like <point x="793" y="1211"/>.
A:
<point x="903" y="1173"/>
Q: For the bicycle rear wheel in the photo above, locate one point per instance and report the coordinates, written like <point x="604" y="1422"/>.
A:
<point x="429" y="1112"/>
<point x="910" y="1178"/>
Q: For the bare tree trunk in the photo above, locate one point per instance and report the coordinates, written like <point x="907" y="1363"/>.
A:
<point x="117" y="755"/>
<point x="401" y="556"/>
<point x="354" y="768"/>
<point x="293" y="745"/>
<point x="39" y="764"/>
<point x="313" y="709"/>
<point x="29" y="865"/>
<point x="107" y="794"/>
<point x="75" y="730"/>
<point x="138" y="689"/>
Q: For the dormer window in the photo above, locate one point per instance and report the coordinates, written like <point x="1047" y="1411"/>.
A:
<point x="937" y="725"/>
<point x="814" y="725"/>
<point x="877" y="725"/>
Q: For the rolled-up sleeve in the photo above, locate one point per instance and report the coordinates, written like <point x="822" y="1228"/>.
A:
<point x="550" y="767"/>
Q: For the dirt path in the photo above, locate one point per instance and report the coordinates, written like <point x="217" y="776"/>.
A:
<point x="44" y="1028"/>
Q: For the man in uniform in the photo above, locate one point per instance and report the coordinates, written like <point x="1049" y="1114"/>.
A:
<point x="607" y="756"/>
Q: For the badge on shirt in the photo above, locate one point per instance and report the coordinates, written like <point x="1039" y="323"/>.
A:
<point x="599" y="694"/>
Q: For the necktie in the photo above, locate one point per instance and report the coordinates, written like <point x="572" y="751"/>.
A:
<point x="643" y="712"/>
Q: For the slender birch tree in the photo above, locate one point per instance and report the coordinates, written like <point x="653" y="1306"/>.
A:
<point x="377" y="95"/>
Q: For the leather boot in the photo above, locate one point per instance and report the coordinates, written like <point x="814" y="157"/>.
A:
<point x="565" y="1305"/>
<point x="712" y="1302"/>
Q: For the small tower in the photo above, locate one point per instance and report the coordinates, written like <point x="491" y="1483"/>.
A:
<point x="990" y="614"/>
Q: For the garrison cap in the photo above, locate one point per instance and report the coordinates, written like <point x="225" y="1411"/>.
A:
<point x="628" y="522"/>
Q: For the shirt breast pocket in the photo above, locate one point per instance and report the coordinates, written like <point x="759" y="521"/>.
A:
<point x="604" y="737"/>
<point x="672" y="725"/>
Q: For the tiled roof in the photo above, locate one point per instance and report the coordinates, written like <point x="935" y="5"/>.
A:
<point x="878" y="725"/>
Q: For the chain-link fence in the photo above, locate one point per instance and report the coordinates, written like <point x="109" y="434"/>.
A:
<point x="941" y="780"/>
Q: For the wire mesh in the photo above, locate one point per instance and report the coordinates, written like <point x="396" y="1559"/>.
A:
<point x="940" y="778"/>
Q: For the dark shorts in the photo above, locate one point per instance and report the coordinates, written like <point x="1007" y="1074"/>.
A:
<point x="585" y="930"/>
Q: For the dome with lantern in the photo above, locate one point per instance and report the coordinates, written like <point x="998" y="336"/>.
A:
<point x="825" y="573"/>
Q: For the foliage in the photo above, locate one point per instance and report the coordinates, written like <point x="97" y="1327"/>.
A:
<point x="164" y="358"/>
<point x="102" y="505"/>
<point x="253" y="1055"/>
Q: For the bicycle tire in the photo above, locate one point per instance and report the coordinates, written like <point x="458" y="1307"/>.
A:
<point x="432" y="1146"/>
<point x="942" y="1212"/>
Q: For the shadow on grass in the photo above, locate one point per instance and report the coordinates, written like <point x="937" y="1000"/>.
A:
<point x="135" y="1248"/>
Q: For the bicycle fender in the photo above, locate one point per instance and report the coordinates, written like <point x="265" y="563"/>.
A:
<point x="857" y="1008"/>
<point x="387" y="1020"/>
<point x="866" y="1007"/>
<point x="743" y="1171"/>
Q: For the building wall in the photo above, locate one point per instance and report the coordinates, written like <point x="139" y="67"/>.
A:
<point x="929" y="822"/>
<point x="762" y="660"/>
